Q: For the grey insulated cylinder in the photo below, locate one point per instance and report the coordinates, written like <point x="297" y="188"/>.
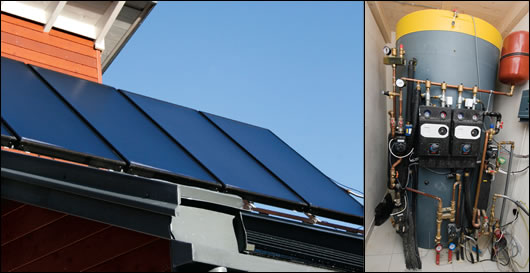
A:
<point x="464" y="52"/>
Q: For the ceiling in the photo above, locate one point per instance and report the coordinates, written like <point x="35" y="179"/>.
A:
<point x="503" y="15"/>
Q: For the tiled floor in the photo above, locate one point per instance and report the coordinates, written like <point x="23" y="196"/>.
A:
<point x="384" y="253"/>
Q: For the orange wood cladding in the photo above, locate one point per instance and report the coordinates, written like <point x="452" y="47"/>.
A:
<point x="25" y="41"/>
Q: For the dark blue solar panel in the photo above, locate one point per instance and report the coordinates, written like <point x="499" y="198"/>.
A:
<point x="122" y="124"/>
<point x="38" y="115"/>
<point x="289" y="166"/>
<point x="224" y="158"/>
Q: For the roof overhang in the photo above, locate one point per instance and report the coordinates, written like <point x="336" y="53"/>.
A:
<point x="109" y="23"/>
<point x="205" y="227"/>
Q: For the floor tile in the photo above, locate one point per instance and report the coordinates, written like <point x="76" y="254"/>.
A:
<point x="377" y="263"/>
<point x="382" y="240"/>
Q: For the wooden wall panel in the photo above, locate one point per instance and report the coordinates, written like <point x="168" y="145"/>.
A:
<point x="63" y="52"/>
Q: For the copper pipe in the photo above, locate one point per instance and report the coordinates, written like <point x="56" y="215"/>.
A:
<point x="458" y="205"/>
<point x="401" y="102"/>
<point x="438" y="237"/>
<point x="453" y="209"/>
<point x="476" y="218"/>
<point x="486" y="139"/>
<point x="465" y="88"/>
<point x="427" y="92"/>
<point x="400" y="119"/>
<point x="393" y="173"/>
<point x="394" y="101"/>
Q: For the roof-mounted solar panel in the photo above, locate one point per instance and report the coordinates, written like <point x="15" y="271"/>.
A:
<point x="323" y="195"/>
<point x="51" y="113"/>
<point x="232" y="165"/>
<point x="45" y="123"/>
<point x="148" y="150"/>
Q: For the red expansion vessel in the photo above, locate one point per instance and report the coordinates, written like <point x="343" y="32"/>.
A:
<point x="513" y="67"/>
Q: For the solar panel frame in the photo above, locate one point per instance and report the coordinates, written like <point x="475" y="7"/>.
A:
<point x="300" y="205"/>
<point x="8" y="136"/>
<point x="53" y="150"/>
<point x="133" y="166"/>
<point x="314" y="208"/>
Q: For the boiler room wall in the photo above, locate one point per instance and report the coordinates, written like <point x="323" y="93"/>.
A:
<point x="375" y="126"/>
<point x="25" y="41"/>
<point x="517" y="131"/>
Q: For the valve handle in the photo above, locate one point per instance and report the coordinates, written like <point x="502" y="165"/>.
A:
<point x="438" y="250"/>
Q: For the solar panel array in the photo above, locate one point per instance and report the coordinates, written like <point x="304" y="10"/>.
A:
<point x="64" y="116"/>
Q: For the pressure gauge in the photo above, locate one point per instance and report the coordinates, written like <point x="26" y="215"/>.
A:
<point x="460" y="116"/>
<point x="443" y="115"/>
<point x="400" y="83"/>
<point x="475" y="117"/>
<point x="387" y="50"/>
<point x="427" y="114"/>
<point x="452" y="246"/>
<point x="438" y="248"/>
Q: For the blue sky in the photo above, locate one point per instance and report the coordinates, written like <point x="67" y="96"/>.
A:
<point x="295" y="68"/>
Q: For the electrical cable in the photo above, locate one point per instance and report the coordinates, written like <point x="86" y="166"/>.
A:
<point x="515" y="172"/>
<point x="527" y="259"/>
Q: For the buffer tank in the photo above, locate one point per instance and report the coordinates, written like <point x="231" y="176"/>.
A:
<point x="457" y="49"/>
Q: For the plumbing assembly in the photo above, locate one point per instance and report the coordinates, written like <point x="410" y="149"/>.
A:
<point x="442" y="153"/>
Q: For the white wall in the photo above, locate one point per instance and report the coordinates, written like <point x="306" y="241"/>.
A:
<point x="518" y="132"/>
<point x="375" y="119"/>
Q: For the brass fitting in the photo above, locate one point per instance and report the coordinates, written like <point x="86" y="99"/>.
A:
<point x="428" y="93"/>
<point x="394" y="174"/>
<point x="492" y="212"/>
<point x="492" y="133"/>
<point x="442" y="99"/>
<point x="394" y="51"/>
<point x="439" y="214"/>
<point x="460" y="91"/>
